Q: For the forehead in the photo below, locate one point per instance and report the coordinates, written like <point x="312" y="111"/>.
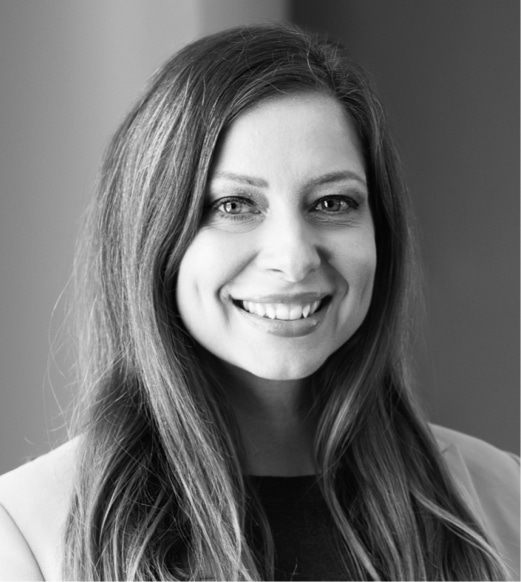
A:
<point x="299" y="133"/>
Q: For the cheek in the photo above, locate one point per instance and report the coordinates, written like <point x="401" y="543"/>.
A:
<point x="356" y="262"/>
<point x="365" y="273"/>
<point x="208" y="264"/>
<point x="357" y="267"/>
<point x="195" y="276"/>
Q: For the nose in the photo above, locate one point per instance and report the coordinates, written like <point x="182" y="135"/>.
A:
<point x="289" y="247"/>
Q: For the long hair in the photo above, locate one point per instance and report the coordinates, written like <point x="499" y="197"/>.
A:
<point x="160" y="492"/>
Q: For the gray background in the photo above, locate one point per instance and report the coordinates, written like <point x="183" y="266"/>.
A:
<point x="448" y="72"/>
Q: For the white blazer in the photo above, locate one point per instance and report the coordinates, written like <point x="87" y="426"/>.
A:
<point x="34" y="502"/>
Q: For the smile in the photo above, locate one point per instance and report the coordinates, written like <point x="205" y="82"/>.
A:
<point x="285" y="316"/>
<point x="282" y="311"/>
<point x="286" y="311"/>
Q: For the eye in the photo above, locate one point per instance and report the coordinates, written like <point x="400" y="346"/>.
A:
<point x="234" y="206"/>
<point x="230" y="210"/>
<point x="336" y="205"/>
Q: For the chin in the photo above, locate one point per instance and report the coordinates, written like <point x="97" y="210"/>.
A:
<point x="284" y="372"/>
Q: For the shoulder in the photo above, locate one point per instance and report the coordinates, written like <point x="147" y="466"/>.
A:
<point x="489" y="480"/>
<point x="482" y="459"/>
<point x="490" y="469"/>
<point x="34" y="502"/>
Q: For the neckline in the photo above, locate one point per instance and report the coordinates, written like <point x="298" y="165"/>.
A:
<point x="285" y="488"/>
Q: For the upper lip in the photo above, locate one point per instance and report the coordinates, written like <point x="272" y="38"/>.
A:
<point x="303" y="298"/>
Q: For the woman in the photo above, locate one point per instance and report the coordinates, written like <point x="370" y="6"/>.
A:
<point x="245" y="277"/>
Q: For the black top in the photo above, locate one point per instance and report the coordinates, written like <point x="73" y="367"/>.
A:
<point x="302" y="527"/>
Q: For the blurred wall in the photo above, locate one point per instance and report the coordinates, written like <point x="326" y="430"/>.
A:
<point x="69" y="71"/>
<point x="448" y="73"/>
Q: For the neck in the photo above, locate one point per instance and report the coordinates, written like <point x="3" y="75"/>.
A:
<point x="271" y="414"/>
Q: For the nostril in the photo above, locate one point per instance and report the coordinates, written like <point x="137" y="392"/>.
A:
<point x="290" y="248"/>
<point x="294" y="264"/>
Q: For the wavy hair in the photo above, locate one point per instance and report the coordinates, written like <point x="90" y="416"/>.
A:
<point x="160" y="492"/>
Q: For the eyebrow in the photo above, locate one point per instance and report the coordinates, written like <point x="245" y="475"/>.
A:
<point x="242" y="178"/>
<point x="318" y="181"/>
<point x="341" y="176"/>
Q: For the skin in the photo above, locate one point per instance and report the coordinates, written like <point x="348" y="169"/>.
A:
<point x="287" y="213"/>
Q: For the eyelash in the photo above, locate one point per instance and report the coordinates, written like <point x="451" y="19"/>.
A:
<point x="349" y="205"/>
<point x="215" y="207"/>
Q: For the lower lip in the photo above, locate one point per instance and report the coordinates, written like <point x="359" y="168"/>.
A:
<point x="286" y="328"/>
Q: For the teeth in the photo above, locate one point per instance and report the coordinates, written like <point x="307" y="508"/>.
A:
<point x="295" y="312"/>
<point x="271" y="311"/>
<point x="281" y="311"/>
<point x="258" y="308"/>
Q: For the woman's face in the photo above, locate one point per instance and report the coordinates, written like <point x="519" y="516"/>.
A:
<point x="280" y="274"/>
